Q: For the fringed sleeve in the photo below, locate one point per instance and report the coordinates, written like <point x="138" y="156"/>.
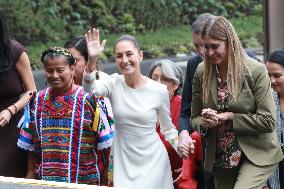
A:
<point x="27" y="124"/>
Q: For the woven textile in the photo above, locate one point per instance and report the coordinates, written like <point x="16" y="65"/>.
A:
<point x="68" y="133"/>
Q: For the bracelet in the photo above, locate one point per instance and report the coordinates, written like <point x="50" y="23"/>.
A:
<point x="16" y="108"/>
<point x="10" y="111"/>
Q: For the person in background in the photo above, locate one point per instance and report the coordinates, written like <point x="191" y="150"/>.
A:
<point x="169" y="74"/>
<point x="17" y="85"/>
<point x="78" y="48"/>
<point x="139" y="158"/>
<point x="184" y="124"/>
<point x="184" y="119"/>
<point x="224" y="87"/>
<point x="275" y="67"/>
<point x="67" y="127"/>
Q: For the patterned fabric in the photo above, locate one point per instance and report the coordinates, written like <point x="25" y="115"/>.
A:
<point x="279" y="119"/>
<point x="273" y="181"/>
<point x="228" y="151"/>
<point x="66" y="137"/>
<point x="106" y="122"/>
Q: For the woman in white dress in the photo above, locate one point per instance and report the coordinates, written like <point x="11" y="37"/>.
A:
<point x="140" y="159"/>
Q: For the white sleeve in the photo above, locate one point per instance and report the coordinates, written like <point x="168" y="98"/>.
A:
<point x="167" y="127"/>
<point x="97" y="87"/>
<point x="103" y="75"/>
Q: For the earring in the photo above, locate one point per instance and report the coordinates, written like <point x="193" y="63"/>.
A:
<point x="72" y="79"/>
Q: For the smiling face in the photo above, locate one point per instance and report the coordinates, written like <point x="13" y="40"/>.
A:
<point x="158" y="76"/>
<point x="216" y="50"/>
<point x="127" y="57"/>
<point x="80" y="65"/>
<point x="276" y="74"/>
<point x="59" y="74"/>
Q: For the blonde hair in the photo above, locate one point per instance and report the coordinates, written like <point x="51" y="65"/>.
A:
<point x="220" y="28"/>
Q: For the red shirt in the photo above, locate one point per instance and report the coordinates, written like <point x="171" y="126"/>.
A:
<point x="175" y="160"/>
<point x="189" y="167"/>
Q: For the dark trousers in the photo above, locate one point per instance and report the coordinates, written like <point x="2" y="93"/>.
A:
<point x="281" y="173"/>
<point x="208" y="180"/>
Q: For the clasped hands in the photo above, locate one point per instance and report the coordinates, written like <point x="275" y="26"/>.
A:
<point x="185" y="145"/>
<point x="211" y="118"/>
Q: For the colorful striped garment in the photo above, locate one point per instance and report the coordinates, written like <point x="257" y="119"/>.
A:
<point x="71" y="136"/>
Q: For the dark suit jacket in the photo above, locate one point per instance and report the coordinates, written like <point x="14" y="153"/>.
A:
<point x="184" y="119"/>
<point x="253" y="115"/>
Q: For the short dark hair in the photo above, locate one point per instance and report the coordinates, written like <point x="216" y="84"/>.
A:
<point x="79" y="43"/>
<point x="277" y="56"/>
<point x="200" y="21"/>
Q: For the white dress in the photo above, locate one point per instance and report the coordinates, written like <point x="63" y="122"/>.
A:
<point x="140" y="160"/>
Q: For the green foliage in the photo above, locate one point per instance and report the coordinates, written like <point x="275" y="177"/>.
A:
<point x="19" y="21"/>
<point x="127" y="24"/>
<point x="247" y="27"/>
<point x="234" y="8"/>
<point x="164" y="41"/>
<point x="251" y="42"/>
<point x="41" y="20"/>
<point x="160" y="25"/>
<point x="153" y="52"/>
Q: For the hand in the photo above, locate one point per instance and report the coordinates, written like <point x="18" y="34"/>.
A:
<point x="207" y="112"/>
<point x="209" y="122"/>
<point x="95" y="48"/>
<point x="185" y="144"/>
<point x="179" y="171"/>
<point x="212" y="119"/>
<point x="209" y="119"/>
<point x="224" y="116"/>
<point x="5" y="117"/>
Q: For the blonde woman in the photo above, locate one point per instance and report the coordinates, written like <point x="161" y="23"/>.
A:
<point x="232" y="102"/>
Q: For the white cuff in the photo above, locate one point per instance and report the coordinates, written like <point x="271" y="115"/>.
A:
<point x="89" y="80"/>
<point x="89" y="76"/>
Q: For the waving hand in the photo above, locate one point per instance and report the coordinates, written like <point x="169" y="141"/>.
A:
<point x="95" y="47"/>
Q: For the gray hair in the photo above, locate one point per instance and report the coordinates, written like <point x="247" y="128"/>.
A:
<point x="170" y="71"/>
<point x="199" y="23"/>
